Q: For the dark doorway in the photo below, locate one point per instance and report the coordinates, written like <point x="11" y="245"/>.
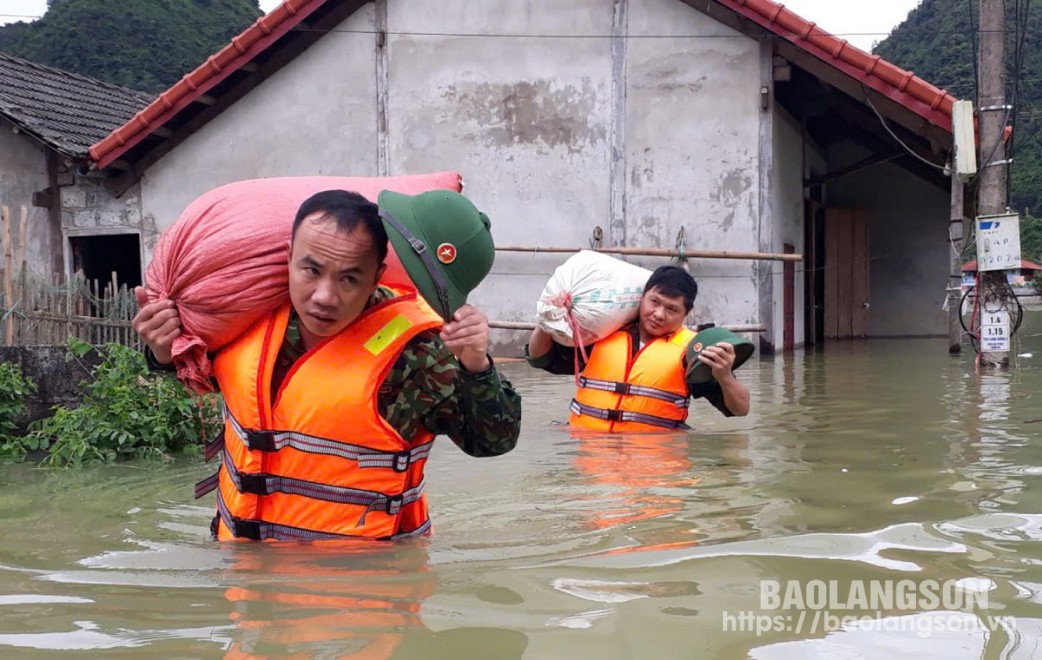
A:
<point x="98" y="257"/>
<point x="814" y="269"/>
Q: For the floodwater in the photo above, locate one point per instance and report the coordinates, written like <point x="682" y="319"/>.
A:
<point x="868" y="463"/>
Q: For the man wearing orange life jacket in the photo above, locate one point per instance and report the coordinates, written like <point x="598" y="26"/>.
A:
<point x="332" y="401"/>
<point x="635" y="379"/>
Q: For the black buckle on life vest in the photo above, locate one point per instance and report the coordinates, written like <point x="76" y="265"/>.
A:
<point x="622" y="388"/>
<point x="260" y="440"/>
<point x="245" y="529"/>
<point x="402" y="460"/>
<point x="614" y="416"/>
<point x="256" y="484"/>
<point x="394" y="505"/>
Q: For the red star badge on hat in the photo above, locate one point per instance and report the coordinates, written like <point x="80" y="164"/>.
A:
<point x="446" y="253"/>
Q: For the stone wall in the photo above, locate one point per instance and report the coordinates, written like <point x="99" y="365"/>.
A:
<point x="58" y="380"/>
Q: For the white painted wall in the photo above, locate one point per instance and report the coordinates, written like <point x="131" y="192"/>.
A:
<point x="23" y="171"/>
<point x="316" y="115"/>
<point x="692" y="148"/>
<point x="527" y="118"/>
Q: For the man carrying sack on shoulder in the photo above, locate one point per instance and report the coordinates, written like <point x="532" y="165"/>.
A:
<point x="333" y="401"/>
<point x="642" y="377"/>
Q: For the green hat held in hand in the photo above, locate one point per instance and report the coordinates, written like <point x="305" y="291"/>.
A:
<point x="700" y="372"/>
<point x="443" y="241"/>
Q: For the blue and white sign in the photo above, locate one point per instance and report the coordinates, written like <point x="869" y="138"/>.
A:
<point x="998" y="242"/>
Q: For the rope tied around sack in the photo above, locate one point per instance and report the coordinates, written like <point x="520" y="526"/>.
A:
<point x="573" y="325"/>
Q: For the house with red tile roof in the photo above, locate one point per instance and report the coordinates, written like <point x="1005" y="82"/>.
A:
<point x="727" y="125"/>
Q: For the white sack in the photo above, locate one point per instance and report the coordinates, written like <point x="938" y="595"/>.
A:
<point x="602" y="292"/>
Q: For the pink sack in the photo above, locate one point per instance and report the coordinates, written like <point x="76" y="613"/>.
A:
<point x="224" y="261"/>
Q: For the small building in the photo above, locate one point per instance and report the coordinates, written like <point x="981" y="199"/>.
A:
<point x="1025" y="276"/>
<point x="735" y="124"/>
<point x="49" y="120"/>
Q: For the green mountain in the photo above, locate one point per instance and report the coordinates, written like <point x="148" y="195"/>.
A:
<point x="142" y="44"/>
<point x="937" y="42"/>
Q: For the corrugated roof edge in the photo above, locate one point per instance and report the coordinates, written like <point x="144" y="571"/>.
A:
<point x="242" y="48"/>
<point x="904" y="87"/>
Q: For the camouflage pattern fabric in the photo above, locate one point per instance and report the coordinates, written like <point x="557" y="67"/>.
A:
<point x="427" y="388"/>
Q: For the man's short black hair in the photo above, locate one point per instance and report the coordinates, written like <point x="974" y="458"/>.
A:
<point x="350" y="210"/>
<point x="674" y="281"/>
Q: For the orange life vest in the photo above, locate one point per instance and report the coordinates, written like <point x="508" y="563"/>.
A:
<point x="647" y="392"/>
<point x="319" y="462"/>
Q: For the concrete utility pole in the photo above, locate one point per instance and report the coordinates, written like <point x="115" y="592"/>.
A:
<point x="992" y="90"/>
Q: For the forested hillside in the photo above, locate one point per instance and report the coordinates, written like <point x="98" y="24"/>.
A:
<point x="142" y="44"/>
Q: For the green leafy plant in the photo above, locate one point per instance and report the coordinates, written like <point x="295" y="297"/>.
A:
<point x="127" y="413"/>
<point x="15" y="388"/>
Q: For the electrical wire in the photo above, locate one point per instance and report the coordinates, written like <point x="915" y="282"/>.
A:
<point x="947" y="171"/>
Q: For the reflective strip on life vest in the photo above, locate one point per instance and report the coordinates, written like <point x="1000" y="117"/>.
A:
<point x="214" y="447"/>
<point x="258" y="530"/>
<point x="625" y="416"/>
<point x="634" y="390"/>
<point x="208" y="484"/>
<point x="271" y="441"/>
<point x="266" y="484"/>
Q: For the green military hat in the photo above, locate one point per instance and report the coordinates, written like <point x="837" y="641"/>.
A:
<point x="700" y="372"/>
<point x="443" y="241"/>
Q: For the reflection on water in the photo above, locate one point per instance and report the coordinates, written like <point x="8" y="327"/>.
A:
<point x="881" y="460"/>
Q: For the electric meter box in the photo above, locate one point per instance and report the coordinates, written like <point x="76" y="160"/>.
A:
<point x="998" y="242"/>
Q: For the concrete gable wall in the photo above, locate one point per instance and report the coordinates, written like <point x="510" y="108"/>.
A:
<point x="555" y="135"/>
<point x="24" y="171"/>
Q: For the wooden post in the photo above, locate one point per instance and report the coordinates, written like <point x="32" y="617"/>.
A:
<point x="68" y="306"/>
<point x="956" y="231"/>
<point x="8" y="267"/>
<point x="113" y="314"/>
<point x="20" y="256"/>
<point x="24" y="298"/>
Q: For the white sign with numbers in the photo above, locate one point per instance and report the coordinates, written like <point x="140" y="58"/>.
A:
<point x="994" y="332"/>
<point x="998" y="242"/>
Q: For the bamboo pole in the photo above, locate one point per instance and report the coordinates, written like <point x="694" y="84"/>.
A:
<point x="19" y="261"/>
<point x="23" y="296"/>
<point x="113" y="314"/>
<point x="661" y="252"/>
<point x="8" y="267"/>
<point x="22" y="222"/>
<point x="68" y="307"/>
<point x="523" y="325"/>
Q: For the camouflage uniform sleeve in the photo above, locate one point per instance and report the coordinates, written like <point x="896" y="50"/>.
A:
<point x="427" y="388"/>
